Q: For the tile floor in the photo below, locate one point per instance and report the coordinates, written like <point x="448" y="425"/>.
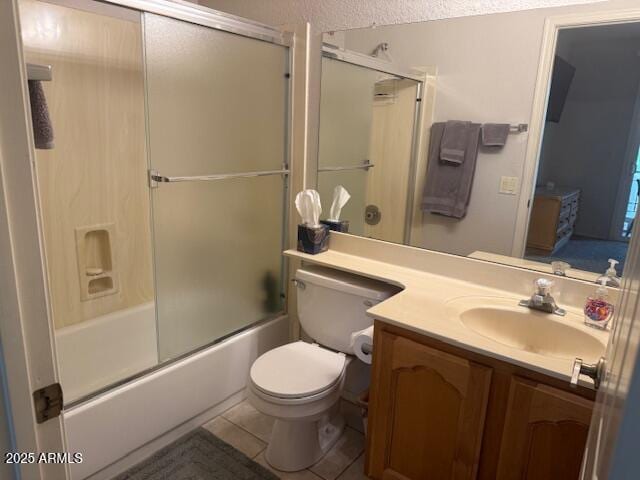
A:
<point x="246" y="429"/>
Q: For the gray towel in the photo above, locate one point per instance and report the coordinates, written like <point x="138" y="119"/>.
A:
<point x="454" y="142"/>
<point x="42" y="129"/>
<point x="495" y="134"/>
<point x="448" y="186"/>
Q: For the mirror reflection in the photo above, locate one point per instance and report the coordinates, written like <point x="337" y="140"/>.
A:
<point x="367" y="120"/>
<point x="436" y="124"/>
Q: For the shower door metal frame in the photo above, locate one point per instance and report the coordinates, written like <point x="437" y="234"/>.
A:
<point x="26" y="327"/>
<point x="372" y="63"/>
<point x="206" y="17"/>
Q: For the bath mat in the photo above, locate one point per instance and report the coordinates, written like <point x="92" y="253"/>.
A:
<point x="199" y="455"/>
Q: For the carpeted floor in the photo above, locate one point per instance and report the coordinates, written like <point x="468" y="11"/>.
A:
<point x="199" y="455"/>
<point x="587" y="254"/>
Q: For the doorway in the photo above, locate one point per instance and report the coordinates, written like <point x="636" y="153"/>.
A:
<point x="584" y="159"/>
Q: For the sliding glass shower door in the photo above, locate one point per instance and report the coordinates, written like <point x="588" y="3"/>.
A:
<point x="367" y="124"/>
<point x="217" y="140"/>
<point x="346" y="112"/>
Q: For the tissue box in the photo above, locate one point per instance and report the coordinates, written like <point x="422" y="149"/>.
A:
<point x="313" y="239"/>
<point x="340" y="226"/>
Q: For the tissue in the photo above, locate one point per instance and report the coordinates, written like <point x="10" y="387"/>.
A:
<point x="309" y="207"/>
<point x="313" y="237"/>
<point x="340" y="198"/>
<point x="362" y="344"/>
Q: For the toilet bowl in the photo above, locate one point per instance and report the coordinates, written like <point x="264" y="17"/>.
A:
<point x="300" y="384"/>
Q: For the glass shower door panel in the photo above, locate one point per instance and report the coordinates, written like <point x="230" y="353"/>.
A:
<point x="218" y="259"/>
<point x="217" y="105"/>
<point x="216" y="101"/>
<point x="346" y="110"/>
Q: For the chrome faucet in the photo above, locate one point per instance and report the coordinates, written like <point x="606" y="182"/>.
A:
<point x="559" y="268"/>
<point x="542" y="299"/>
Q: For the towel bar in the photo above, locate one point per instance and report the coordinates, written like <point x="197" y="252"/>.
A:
<point x="365" y="166"/>
<point x="519" y="128"/>
<point x="155" y="177"/>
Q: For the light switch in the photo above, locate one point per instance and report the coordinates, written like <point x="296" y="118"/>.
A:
<point x="509" y="185"/>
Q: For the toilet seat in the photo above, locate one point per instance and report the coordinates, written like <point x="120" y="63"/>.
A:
<point x="298" y="370"/>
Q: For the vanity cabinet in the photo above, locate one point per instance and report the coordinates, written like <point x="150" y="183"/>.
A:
<point x="441" y="412"/>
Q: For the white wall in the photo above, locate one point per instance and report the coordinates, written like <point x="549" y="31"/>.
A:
<point x="326" y="15"/>
<point x="587" y="148"/>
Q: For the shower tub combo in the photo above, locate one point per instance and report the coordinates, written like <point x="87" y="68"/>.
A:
<point x="163" y="237"/>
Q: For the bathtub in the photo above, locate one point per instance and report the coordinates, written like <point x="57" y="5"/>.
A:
<point x="118" y="425"/>
<point x="107" y="349"/>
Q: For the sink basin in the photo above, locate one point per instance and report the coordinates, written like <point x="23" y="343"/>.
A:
<point x="503" y="321"/>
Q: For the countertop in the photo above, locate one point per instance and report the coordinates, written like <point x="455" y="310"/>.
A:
<point x="531" y="265"/>
<point x="425" y="307"/>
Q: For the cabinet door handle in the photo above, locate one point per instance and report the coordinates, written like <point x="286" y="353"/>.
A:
<point x="593" y="371"/>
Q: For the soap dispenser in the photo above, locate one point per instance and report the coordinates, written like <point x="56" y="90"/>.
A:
<point x="611" y="275"/>
<point x="598" y="310"/>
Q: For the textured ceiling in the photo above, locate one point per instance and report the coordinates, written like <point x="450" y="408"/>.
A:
<point x="326" y="15"/>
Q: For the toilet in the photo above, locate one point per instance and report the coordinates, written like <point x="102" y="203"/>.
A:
<point x="300" y="384"/>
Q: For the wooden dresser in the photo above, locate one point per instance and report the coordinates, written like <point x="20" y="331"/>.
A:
<point x="553" y="216"/>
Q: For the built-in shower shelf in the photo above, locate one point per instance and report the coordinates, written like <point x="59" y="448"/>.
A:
<point x="101" y="284"/>
<point x="96" y="261"/>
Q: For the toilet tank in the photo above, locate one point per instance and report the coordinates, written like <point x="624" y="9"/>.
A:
<point x="332" y="304"/>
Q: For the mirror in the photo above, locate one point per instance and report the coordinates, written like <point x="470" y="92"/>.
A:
<point x="432" y="129"/>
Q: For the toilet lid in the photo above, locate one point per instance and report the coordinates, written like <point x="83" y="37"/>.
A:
<point x="296" y="370"/>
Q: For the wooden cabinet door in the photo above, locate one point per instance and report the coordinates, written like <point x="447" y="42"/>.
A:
<point x="544" y="434"/>
<point x="427" y="412"/>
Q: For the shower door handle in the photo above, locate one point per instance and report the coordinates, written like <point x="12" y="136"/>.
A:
<point x="155" y="178"/>
<point x="366" y="165"/>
